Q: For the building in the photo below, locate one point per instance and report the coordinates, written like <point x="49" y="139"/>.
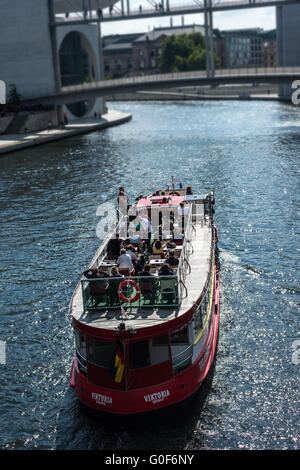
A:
<point x="38" y="62"/>
<point x="269" y="48"/>
<point x="138" y="54"/>
<point x="288" y="40"/>
<point x="243" y="48"/>
<point x="131" y="55"/>
<point x="117" y="54"/>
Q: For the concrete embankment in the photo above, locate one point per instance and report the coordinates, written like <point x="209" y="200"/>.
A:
<point x="229" y="92"/>
<point x="13" y="142"/>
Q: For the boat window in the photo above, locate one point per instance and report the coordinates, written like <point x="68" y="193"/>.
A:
<point x="180" y="336"/>
<point x="139" y="354"/>
<point x="159" y="351"/>
<point x="198" y="322"/>
<point x="100" y="352"/>
<point x="80" y="343"/>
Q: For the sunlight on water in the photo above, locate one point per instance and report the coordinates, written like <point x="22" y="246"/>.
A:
<point x="249" y="152"/>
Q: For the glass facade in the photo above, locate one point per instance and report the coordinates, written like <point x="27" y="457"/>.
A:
<point x="76" y="66"/>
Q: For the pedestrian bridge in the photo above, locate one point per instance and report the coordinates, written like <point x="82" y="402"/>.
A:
<point x="125" y="10"/>
<point x="85" y="91"/>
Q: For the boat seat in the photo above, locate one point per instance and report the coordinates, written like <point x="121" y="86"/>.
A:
<point x="98" y="291"/>
<point x="168" y="290"/>
<point x="124" y="271"/>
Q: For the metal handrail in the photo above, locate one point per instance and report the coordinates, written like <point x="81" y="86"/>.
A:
<point x="190" y="346"/>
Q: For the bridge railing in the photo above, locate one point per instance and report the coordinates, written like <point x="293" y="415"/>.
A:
<point x="144" y="8"/>
<point x="143" y="79"/>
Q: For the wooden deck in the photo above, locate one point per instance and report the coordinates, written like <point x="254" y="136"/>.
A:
<point x="199" y="261"/>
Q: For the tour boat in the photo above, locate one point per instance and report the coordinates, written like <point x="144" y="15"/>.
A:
<point x="146" y="342"/>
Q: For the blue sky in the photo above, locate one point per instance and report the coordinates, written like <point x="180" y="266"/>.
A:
<point x="251" y="18"/>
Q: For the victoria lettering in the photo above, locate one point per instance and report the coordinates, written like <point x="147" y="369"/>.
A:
<point x="101" y="399"/>
<point x="157" y="396"/>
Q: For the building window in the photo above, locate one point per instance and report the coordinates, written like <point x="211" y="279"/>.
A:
<point x="118" y="64"/>
<point x="142" y="64"/>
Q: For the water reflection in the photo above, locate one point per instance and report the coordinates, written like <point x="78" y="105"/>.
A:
<point x="48" y="200"/>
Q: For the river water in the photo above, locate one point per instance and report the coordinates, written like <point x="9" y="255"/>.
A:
<point x="249" y="152"/>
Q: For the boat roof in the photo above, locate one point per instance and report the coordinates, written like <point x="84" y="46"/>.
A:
<point x="163" y="200"/>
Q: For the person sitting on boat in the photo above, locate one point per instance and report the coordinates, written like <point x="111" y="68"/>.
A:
<point x="166" y="270"/>
<point x="172" y="260"/>
<point x="158" y="246"/>
<point x="146" y="271"/>
<point x="189" y="190"/>
<point x="134" y="258"/>
<point x="114" y="272"/>
<point x="113" y="286"/>
<point x="100" y="273"/>
<point x="124" y="260"/>
<point x="146" y="229"/>
<point x="114" y="247"/>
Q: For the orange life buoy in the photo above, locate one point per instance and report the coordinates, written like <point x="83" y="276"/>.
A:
<point x="137" y="289"/>
<point x="174" y="193"/>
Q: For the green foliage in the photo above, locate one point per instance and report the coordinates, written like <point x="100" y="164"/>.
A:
<point x="13" y="96"/>
<point x="184" y="52"/>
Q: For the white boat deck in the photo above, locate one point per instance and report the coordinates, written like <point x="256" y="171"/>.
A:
<point x="142" y="317"/>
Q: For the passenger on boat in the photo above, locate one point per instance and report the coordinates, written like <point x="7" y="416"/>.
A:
<point x="100" y="273"/>
<point x="166" y="270"/>
<point x="94" y="273"/>
<point x="189" y="190"/>
<point x="113" y="286"/>
<point x="124" y="260"/>
<point x="134" y="258"/>
<point x="114" y="272"/>
<point x="146" y="271"/>
<point x="113" y="247"/>
<point x="172" y="260"/>
<point x="147" y="229"/>
<point x="183" y="212"/>
<point x="158" y="246"/>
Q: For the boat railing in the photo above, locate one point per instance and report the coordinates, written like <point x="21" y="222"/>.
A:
<point x="184" y="267"/>
<point x="130" y="292"/>
<point x="182" y="359"/>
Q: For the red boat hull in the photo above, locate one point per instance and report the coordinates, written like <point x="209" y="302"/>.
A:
<point x="162" y="395"/>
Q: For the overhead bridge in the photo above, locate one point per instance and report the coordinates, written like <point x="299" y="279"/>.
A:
<point x="85" y="91"/>
<point x="123" y="10"/>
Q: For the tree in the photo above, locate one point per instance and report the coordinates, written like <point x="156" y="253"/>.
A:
<point x="13" y="96"/>
<point x="184" y="52"/>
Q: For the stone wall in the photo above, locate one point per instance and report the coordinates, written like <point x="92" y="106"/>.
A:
<point x="4" y="122"/>
<point x="30" y="122"/>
